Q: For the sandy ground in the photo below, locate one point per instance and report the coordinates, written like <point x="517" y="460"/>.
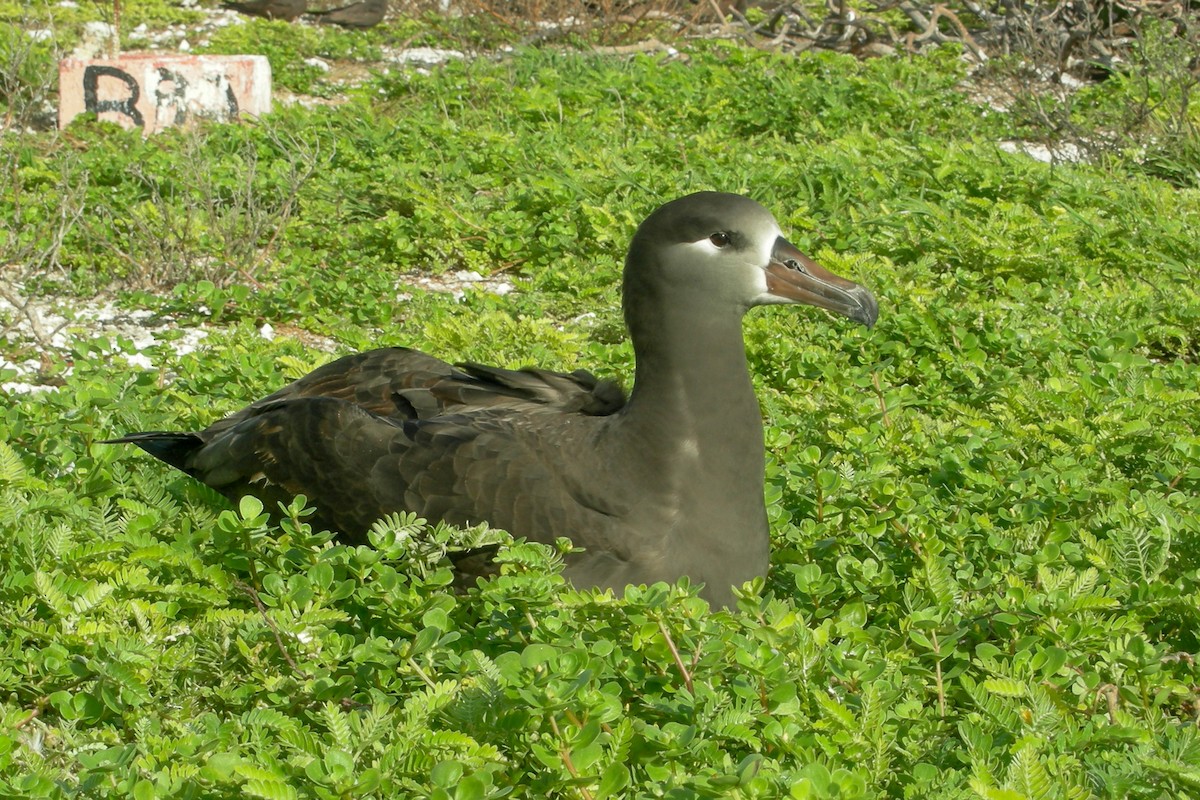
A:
<point x="38" y="329"/>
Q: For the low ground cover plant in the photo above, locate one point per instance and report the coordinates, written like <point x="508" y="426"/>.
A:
<point x="984" y="511"/>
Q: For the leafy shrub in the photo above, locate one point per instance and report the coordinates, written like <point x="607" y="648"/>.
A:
<point x="984" y="511"/>
<point x="285" y="45"/>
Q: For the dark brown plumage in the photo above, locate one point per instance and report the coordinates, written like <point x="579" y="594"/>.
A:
<point x="364" y="14"/>
<point x="665" y="484"/>
<point x="286" y="10"/>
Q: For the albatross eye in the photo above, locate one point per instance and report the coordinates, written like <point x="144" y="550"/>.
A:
<point x="719" y="239"/>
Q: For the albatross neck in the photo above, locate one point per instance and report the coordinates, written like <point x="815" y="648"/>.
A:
<point x="692" y="386"/>
<point x="691" y="437"/>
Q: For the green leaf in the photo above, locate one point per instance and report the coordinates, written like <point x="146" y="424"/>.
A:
<point x="1006" y="687"/>
<point x="249" y="507"/>
<point x="51" y="595"/>
<point x="220" y="766"/>
<point x="447" y="774"/>
<point x="537" y="654"/>
<point x="1050" y="660"/>
<point x="269" y="789"/>
<point x="613" y="780"/>
<point x="470" y="788"/>
<point x="339" y="765"/>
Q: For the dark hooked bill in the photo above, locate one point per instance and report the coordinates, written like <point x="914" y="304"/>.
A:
<point x="795" y="278"/>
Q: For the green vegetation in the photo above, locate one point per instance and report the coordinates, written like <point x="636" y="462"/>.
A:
<point x="986" y="567"/>
<point x="287" y="46"/>
<point x="67" y="20"/>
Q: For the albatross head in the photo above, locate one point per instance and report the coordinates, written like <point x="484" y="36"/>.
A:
<point x="731" y="248"/>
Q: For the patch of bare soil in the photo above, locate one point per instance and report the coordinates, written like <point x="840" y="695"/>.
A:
<point x="41" y="329"/>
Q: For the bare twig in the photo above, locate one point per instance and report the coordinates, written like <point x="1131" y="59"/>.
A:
<point x="564" y="752"/>
<point x="1112" y="695"/>
<point x="683" y="671"/>
<point x="32" y="314"/>
<point x="252" y="593"/>
<point x="883" y="411"/>
<point x="650" y="45"/>
<point x="421" y="673"/>
<point x="115" y="44"/>
<point x="36" y="712"/>
<point x="716" y="9"/>
<point x="937" y="666"/>
<point x="199" y="224"/>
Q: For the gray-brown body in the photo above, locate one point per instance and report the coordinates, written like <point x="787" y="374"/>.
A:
<point x="286" y="10"/>
<point x="364" y="14"/>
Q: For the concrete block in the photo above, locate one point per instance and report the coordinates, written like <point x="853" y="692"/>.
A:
<point x="153" y="91"/>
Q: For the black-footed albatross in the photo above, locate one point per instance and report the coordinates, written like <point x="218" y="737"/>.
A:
<point x="286" y="10"/>
<point x="364" y="14"/>
<point x="665" y="484"/>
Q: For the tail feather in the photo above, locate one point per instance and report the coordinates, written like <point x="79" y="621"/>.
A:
<point x="173" y="447"/>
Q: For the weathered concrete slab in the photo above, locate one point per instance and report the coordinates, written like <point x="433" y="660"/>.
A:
<point x="153" y="91"/>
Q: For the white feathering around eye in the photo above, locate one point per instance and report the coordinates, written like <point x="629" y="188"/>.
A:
<point x="759" y="290"/>
<point x="703" y="247"/>
<point x="762" y="296"/>
<point x="767" y="244"/>
<point x="753" y="259"/>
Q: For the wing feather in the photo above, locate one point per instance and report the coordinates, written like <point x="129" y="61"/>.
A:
<point x="394" y="429"/>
